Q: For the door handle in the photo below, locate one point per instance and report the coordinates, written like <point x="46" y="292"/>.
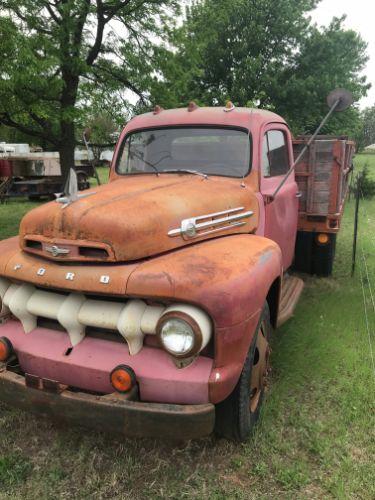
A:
<point x="299" y="194"/>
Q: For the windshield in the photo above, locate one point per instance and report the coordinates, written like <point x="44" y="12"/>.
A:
<point x="212" y="151"/>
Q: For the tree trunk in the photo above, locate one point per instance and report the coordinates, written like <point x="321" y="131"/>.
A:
<point x="66" y="148"/>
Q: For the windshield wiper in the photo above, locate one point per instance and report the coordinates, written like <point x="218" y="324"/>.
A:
<point x="184" y="171"/>
<point x="149" y="164"/>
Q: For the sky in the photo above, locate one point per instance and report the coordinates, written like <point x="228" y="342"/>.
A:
<point x="360" y="17"/>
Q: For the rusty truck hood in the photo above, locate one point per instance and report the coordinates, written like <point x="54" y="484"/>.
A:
<point x="131" y="218"/>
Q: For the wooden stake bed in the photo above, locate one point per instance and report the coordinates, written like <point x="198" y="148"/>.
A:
<point x="323" y="178"/>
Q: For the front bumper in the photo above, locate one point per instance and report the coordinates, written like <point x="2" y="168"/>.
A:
<point x="42" y="353"/>
<point x="109" y="413"/>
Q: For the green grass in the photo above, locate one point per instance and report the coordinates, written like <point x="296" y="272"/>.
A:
<point x="316" y="434"/>
<point x="12" y="211"/>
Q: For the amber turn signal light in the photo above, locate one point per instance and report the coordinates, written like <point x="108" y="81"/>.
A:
<point x="322" y="238"/>
<point x="122" y="378"/>
<point x="6" y="349"/>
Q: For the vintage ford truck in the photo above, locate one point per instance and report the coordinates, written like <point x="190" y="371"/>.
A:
<point x="145" y="307"/>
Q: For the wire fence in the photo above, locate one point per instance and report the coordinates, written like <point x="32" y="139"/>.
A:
<point x="367" y="285"/>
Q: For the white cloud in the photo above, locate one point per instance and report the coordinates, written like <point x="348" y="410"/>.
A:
<point x="360" y="17"/>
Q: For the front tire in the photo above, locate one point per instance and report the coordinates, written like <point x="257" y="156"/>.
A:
<point x="237" y="415"/>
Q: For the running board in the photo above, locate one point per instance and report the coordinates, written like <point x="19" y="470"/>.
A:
<point x="291" y="291"/>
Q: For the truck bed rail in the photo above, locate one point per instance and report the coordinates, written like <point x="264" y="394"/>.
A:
<point x="323" y="179"/>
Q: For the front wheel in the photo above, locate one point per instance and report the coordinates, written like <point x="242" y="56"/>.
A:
<point x="237" y="415"/>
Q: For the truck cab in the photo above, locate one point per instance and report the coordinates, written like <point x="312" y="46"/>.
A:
<point x="146" y="305"/>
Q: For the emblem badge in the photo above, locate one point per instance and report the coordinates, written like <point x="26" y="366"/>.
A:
<point x="56" y="251"/>
<point x="41" y="271"/>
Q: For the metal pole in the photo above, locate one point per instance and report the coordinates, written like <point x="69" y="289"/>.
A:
<point x="300" y="156"/>
<point x="351" y="185"/>
<point x="354" y="253"/>
<point x="93" y="162"/>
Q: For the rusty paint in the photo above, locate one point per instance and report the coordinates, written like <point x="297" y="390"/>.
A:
<point x="131" y="218"/>
<point x="87" y="279"/>
<point x="229" y="276"/>
<point x="111" y="414"/>
<point x="323" y="173"/>
<point x="74" y="249"/>
<point x="228" y="279"/>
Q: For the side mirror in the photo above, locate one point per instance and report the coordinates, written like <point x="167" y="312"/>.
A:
<point x="344" y="97"/>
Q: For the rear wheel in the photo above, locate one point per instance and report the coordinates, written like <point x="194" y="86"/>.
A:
<point x="238" y="414"/>
<point x="313" y="257"/>
<point x="83" y="181"/>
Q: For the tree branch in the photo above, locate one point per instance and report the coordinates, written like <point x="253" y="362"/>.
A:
<point x="121" y="79"/>
<point x="79" y="28"/>
<point x="95" y="49"/>
<point x="112" y="12"/>
<point x="104" y="15"/>
<point x="52" y="13"/>
<point x="5" y="119"/>
<point x="139" y="5"/>
<point x="26" y="20"/>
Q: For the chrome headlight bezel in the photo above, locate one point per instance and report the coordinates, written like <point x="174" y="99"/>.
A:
<point x="191" y="323"/>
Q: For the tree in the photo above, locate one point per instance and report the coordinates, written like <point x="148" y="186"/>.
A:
<point x="264" y="53"/>
<point x="54" y="55"/>
<point x="101" y="133"/>
<point x="366" y="136"/>
<point x="327" y="59"/>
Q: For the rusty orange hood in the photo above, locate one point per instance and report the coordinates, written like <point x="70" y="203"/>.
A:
<point x="130" y="218"/>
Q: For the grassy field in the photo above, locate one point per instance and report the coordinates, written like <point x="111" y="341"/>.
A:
<point x="14" y="209"/>
<point x="316" y="435"/>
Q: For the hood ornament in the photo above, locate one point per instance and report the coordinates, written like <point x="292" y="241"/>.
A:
<point x="70" y="194"/>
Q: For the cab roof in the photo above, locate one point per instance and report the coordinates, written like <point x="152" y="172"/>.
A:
<point x="239" y="117"/>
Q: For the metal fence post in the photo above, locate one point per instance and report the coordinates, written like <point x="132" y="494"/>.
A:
<point x="357" y="196"/>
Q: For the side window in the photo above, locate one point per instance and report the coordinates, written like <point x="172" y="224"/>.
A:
<point x="275" y="154"/>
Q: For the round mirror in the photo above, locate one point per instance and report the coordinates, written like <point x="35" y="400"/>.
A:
<point x="344" y="96"/>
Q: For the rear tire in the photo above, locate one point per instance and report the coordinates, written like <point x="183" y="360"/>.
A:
<point x="237" y="415"/>
<point x="312" y="257"/>
<point x="83" y="181"/>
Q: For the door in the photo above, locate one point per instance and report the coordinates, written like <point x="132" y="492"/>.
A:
<point x="282" y="213"/>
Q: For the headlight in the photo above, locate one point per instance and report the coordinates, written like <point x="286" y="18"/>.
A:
<point x="177" y="336"/>
<point x="183" y="330"/>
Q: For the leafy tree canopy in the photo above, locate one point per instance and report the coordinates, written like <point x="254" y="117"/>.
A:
<point x="57" y="56"/>
<point x="262" y="53"/>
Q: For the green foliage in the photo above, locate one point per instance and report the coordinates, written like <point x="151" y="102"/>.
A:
<point x="59" y="58"/>
<point x="265" y="53"/>
<point x="104" y="132"/>
<point x="366" y="183"/>
<point x="328" y="59"/>
<point x="366" y="135"/>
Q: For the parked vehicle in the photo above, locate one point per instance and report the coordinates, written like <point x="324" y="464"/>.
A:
<point x="145" y="306"/>
<point x="37" y="174"/>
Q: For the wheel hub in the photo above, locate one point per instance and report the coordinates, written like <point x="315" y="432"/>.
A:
<point x="259" y="369"/>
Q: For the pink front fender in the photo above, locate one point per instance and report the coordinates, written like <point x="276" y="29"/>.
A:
<point x="230" y="278"/>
